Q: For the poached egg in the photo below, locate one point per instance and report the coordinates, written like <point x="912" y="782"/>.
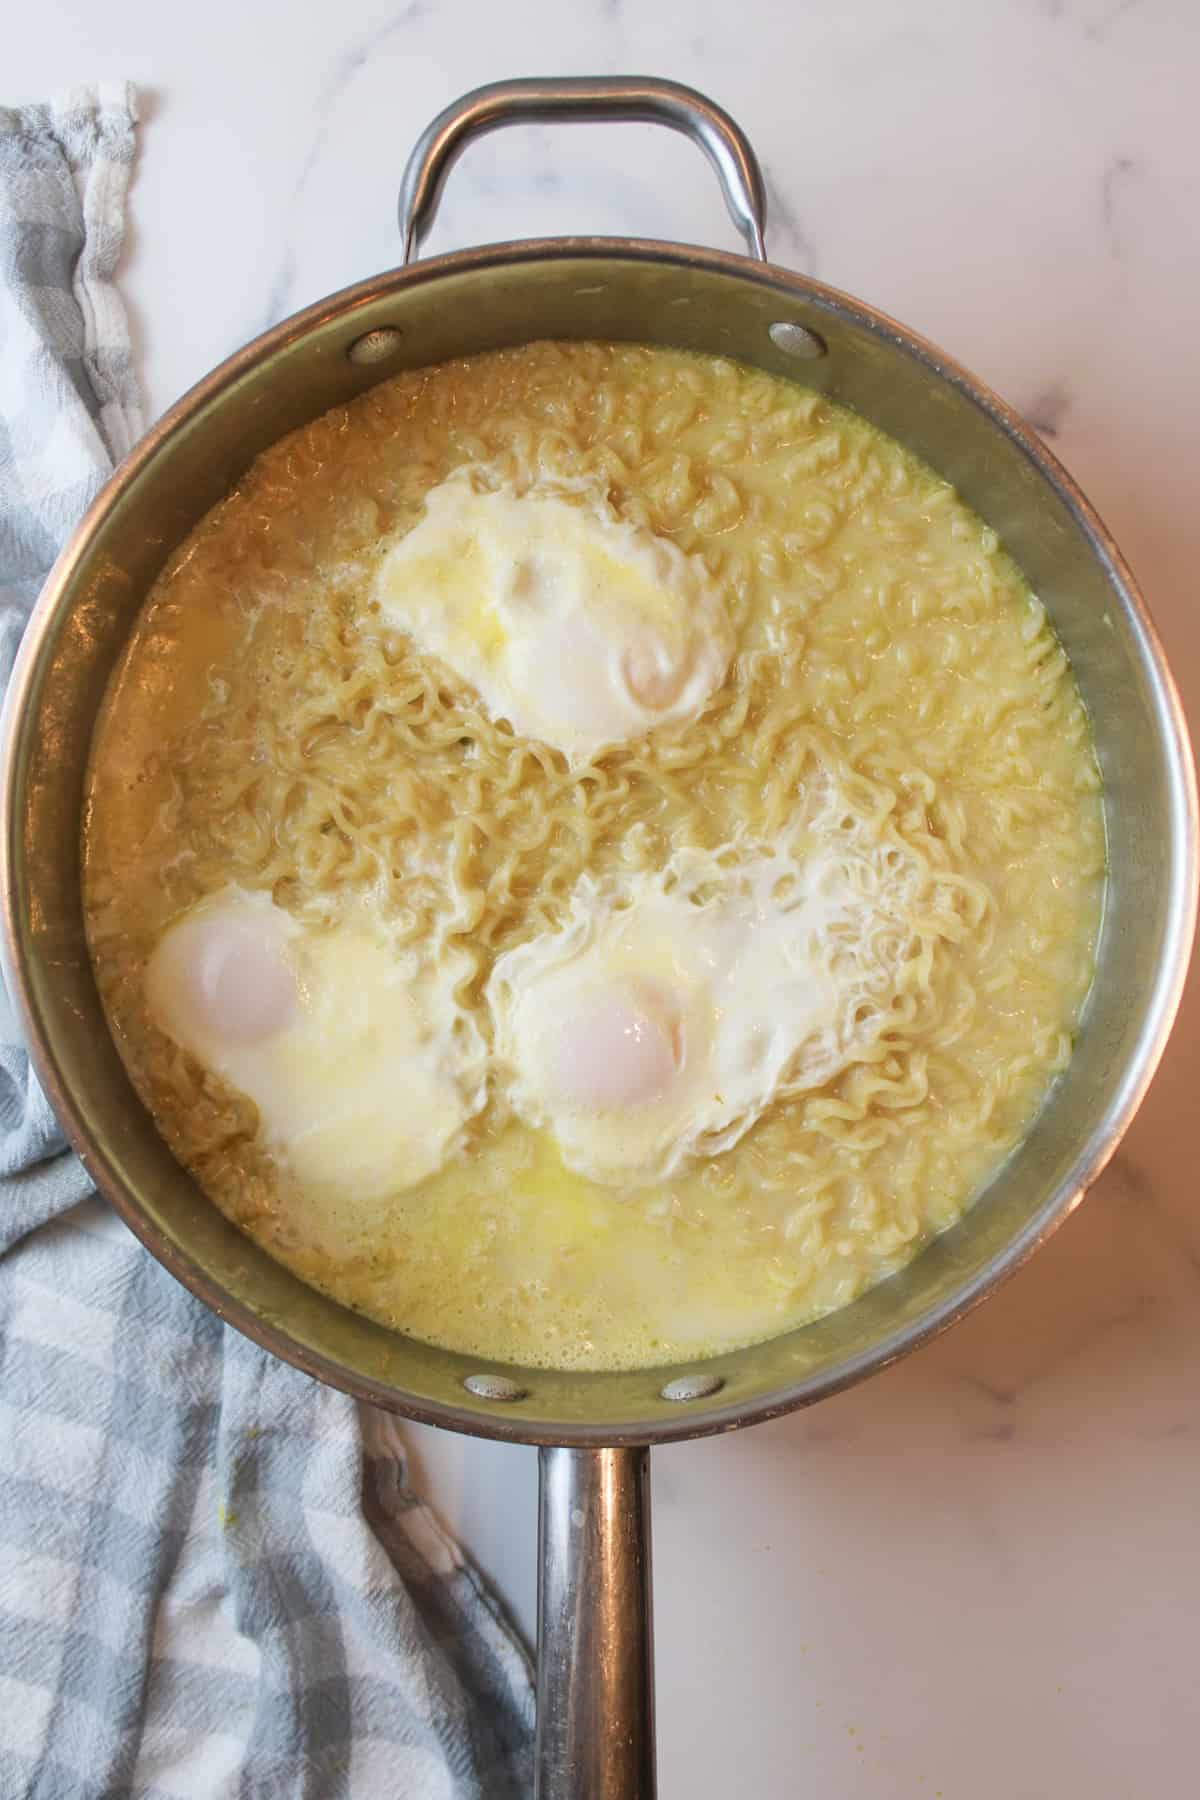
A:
<point x="669" y="1010"/>
<point x="579" y="628"/>
<point x="361" y="1062"/>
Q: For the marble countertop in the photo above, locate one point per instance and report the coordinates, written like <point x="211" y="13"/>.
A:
<point x="977" y="1576"/>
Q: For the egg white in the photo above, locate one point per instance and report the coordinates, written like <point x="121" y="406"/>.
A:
<point x="580" y="629"/>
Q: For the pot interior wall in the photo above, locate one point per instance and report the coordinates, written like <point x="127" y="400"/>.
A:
<point x="484" y="300"/>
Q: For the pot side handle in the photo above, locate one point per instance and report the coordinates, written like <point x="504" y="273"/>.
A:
<point x="595" y="1666"/>
<point x="583" y="98"/>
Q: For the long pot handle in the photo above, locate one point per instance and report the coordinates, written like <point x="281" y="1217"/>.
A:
<point x="576" y="98"/>
<point x="595" y="1663"/>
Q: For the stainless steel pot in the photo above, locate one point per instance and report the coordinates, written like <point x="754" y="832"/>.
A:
<point x="595" y="1711"/>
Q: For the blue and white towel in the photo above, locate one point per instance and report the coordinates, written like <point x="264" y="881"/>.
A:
<point x="209" y="1585"/>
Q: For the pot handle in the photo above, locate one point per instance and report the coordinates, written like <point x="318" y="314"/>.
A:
<point x="583" y="98"/>
<point x="595" y="1666"/>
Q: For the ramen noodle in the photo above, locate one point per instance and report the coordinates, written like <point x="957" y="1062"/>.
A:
<point x="836" y="846"/>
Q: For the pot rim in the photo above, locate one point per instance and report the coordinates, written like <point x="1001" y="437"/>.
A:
<point x="699" y="1419"/>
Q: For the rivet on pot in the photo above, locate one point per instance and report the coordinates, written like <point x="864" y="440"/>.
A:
<point x="693" y="1387"/>
<point x="376" y="346"/>
<point x="494" y="1387"/>
<point x="796" y="340"/>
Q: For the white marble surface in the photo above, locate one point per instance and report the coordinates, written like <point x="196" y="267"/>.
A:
<point x="976" y="1577"/>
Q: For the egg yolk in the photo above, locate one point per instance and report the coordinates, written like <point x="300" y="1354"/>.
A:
<point x="621" y="1048"/>
<point x="233" y="980"/>
<point x="654" y="678"/>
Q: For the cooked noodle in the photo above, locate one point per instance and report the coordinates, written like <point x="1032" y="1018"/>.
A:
<point x="264" y="729"/>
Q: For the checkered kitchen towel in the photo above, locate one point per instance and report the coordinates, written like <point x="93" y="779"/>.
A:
<point x="209" y="1585"/>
